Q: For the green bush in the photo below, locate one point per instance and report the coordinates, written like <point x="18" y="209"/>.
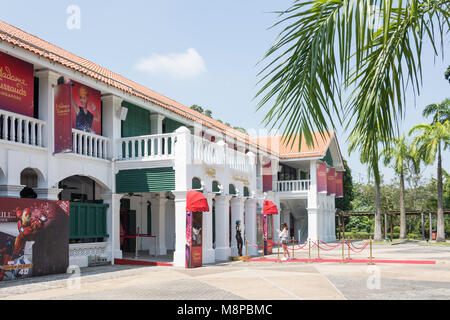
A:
<point x="396" y="229"/>
<point x="414" y="236"/>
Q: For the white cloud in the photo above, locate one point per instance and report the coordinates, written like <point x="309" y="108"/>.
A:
<point x="177" y="65"/>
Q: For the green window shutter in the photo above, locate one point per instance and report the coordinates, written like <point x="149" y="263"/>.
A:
<point x="246" y="192"/>
<point x="137" y="122"/>
<point x="215" y="187"/>
<point x="88" y="220"/>
<point x="328" y="158"/>
<point x="232" y="189"/>
<point x="145" y="180"/>
<point x="170" y="126"/>
<point x="196" y="184"/>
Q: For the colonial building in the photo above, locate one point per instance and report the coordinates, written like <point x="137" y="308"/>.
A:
<point x="125" y="158"/>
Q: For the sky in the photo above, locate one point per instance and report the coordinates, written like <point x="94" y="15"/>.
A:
<point x="202" y="52"/>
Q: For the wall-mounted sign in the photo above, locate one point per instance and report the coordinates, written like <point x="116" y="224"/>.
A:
<point x="339" y="185"/>
<point x="86" y="109"/>
<point x="210" y="172"/>
<point x="16" y="85"/>
<point x="322" y="181"/>
<point x="331" y="182"/>
<point x="63" y="118"/>
<point x="34" y="238"/>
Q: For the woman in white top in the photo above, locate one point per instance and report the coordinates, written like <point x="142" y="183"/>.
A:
<point x="284" y="237"/>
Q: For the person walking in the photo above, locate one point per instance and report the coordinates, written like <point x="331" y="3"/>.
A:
<point x="284" y="237"/>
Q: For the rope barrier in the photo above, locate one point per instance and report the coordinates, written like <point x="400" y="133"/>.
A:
<point x="338" y="245"/>
<point x="355" y="247"/>
<point x="256" y="246"/>
<point x="357" y="250"/>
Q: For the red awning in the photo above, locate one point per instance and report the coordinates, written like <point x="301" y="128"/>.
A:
<point x="269" y="207"/>
<point x="196" y="202"/>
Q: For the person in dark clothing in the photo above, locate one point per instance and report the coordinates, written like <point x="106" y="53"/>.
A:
<point x="239" y="237"/>
<point x="85" y="118"/>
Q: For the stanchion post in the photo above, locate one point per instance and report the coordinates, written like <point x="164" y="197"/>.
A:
<point x="343" y="242"/>
<point x="246" y="247"/>
<point x="348" y="252"/>
<point x="137" y="237"/>
<point x="371" y="257"/>
<point x="278" y="251"/>
<point x="318" y="248"/>
<point x="263" y="248"/>
<point x="309" y="250"/>
<point x="293" y="248"/>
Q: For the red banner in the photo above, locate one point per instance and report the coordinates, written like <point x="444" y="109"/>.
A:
<point x="267" y="176"/>
<point x="339" y="185"/>
<point x="16" y="85"/>
<point x="86" y="109"/>
<point x="331" y="182"/>
<point x="322" y="177"/>
<point x="34" y="237"/>
<point x="63" y="118"/>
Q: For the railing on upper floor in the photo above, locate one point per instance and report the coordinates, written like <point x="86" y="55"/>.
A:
<point x="294" y="185"/>
<point x="216" y="154"/>
<point x="20" y="129"/>
<point x="152" y="147"/>
<point x="90" y="145"/>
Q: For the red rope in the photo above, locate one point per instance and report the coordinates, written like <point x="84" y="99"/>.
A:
<point x="358" y="250"/>
<point x="330" y="245"/>
<point x="256" y="246"/>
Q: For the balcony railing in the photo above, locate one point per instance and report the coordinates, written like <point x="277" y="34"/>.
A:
<point x="90" y="145"/>
<point x="216" y="154"/>
<point x="153" y="147"/>
<point x="294" y="185"/>
<point x="20" y="129"/>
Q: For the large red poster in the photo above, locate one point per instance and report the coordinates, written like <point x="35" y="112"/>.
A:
<point x="63" y="118"/>
<point x="16" y="85"/>
<point x="267" y="176"/>
<point x="34" y="237"/>
<point x="322" y="181"/>
<point x="331" y="181"/>
<point x="86" y="109"/>
<point x="339" y="185"/>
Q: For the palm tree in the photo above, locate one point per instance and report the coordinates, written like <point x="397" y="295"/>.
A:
<point x="331" y="49"/>
<point x="439" y="111"/>
<point x="399" y="151"/>
<point x="435" y="137"/>
<point x="369" y="156"/>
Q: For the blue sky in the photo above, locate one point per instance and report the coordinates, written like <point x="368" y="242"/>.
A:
<point x="216" y="45"/>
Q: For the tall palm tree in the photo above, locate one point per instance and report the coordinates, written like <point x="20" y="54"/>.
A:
<point x="439" y="111"/>
<point x="369" y="156"/>
<point x="331" y="49"/>
<point x="399" y="151"/>
<point x="433" y="139"/>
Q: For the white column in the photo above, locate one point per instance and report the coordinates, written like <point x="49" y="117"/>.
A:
<point x="47" y="81"/>
<point x="10" y="191"/>
<point x="160" y="205"/>
<point x="113" y="225"/>
<point x="112" y="124"/>
<point x="237" y="213"/>
<point x="223" y="250"/>
<point x="48" y="194"/>
<point x="183" y="159"/>
<point x="179" y="256"/>
<point x="209" y="254"/>
<point x="156" y="123"/>
<point x="313" y="205"/>
<point x="250" y="225"/>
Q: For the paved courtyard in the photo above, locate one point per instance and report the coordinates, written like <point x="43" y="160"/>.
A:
<point x="256" y="280"/>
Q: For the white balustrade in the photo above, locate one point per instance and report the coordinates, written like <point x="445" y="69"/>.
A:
<point x="90" y="145"/>
<point x="21" y="129"/>
<point x="210" y="153"/>
<point x="294" y="185"/>
<point x="153" y="147"/>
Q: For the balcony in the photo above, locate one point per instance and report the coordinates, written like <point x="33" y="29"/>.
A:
<point x="294" y="186"/>
<point x="147" y="148"/>
<point x="90" y="145"/>
<point x="21" y="130"/>
<point x="162" y="148"/>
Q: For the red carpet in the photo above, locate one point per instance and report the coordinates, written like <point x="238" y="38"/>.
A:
<point x="351" y="261"/>
<point x="141" y="263"/>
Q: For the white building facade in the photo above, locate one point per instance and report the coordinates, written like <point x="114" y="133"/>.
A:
<point x="135" y="175"/>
